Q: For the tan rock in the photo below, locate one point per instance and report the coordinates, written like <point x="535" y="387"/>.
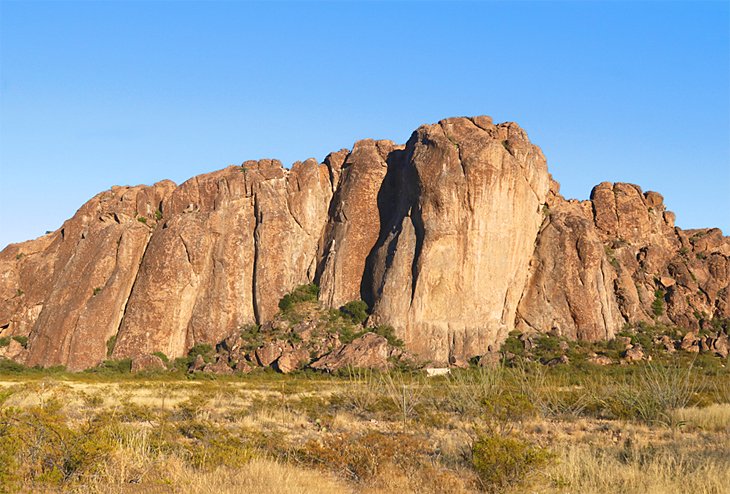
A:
<point x="451" y="262"/>
<point x="355" y="225"/>
<point x="634" y="354"/>
<point x="198" y="364"/>
<point x="454" y="240"/>
<point x="721" y="346"/>
<point x="251" y="237"/>
<point x="292" y="359"/>
<point x="148" y="363"/>
<point x="97" y="255"/>
<point x="368" y="351"/>
<point x="571" y="285"/>
<point x="600" y="360"/>
<point x="219" y="367"/>
<point x="563" y="359"/>
<point x="690" y="343"/>
<point x="490" y="359"/>
<point x="267" y="354"/>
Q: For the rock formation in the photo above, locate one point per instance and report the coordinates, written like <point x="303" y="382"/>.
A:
<point x="455" y="239"/>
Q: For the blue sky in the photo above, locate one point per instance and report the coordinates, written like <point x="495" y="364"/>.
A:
<point x="94" y="94"/>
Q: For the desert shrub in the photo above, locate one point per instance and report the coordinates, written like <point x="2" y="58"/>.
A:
<point x="38" y="444"/>
<point x="203" y="349"/>
<point x="348" y="334"/>
<point x="513" y="344"/>
<point x="10" y="366"/>
<point x="23" y="340"/>
<point x="110" y="344"/>
<point x="302" y="293"/>
<point x="405" y="392"/>
<point x="657" y="306"/>
<point x="388" y="332"/>
<point x="653" y="394"/>
<point x="252" y="337"/>
<point x="506" y="462"/>
<point x="469" y="391"/>
<point x="208" y="445"/>
<point x="548" y="394"/>
<point x="357" y="311"/>
<point x="361" y="457"/>
<point x="112" y="367"/>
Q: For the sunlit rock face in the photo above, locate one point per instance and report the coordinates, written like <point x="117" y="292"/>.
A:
<point x="454" y="239"/>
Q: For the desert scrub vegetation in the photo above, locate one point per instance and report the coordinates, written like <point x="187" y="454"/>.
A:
<point x="659" y="426"/>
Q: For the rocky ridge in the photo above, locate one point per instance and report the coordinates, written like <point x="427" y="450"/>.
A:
<point x="454" y="239"/>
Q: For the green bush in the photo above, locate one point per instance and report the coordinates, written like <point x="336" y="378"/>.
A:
<point x="513" y="344"/>
<point x="388" y="332"/>
<point x="357" y="311"/>
<point x="203" y="349"/>
<point x="252" y="337"/>
<point x="505" y="462"/>
<point x="657" y="306"/>
<point x="123" y="366"/>
<point x="302" y="293"/>
<point x="23" y="340"/>
<point x="110" y="344"/>
<point x="654" y="393"/>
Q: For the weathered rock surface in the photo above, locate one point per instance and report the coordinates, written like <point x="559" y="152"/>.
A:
<point x="450" y="265"/>
<point x="147" y="363"/>
<point x="369" y="351"/>
<point x="454" y="239"/>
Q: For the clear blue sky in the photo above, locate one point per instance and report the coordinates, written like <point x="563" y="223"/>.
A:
<point x="95" y="94"/>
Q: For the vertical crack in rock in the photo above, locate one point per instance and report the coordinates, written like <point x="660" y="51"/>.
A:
<point x="256" y="240"/>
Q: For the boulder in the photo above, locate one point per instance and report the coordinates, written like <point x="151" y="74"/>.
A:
<point x="690" y="343"/>
<point x="219" y="367"/>
<point x="490" y="359"/>
<point x="292" y="359"/>
<point x="633" y="354"/>
<point x="267" y="354"/>
<point x="148" y="363"/>
<point x="370" y="351"/>
<point x="563" y="359"/>
<point x="600" y="360"/>
<point x="666" y="342"/>
<point x="721" y="345"/>
<point x="198" y="364"/>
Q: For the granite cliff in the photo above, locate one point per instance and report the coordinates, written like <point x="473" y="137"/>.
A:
<point x="455" y="239"/>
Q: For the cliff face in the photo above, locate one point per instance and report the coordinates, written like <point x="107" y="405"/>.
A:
<point x="454" y="239"/>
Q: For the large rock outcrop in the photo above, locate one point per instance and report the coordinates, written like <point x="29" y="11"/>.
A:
<point x="454" y="239"/>
<point x="451" y="263"/>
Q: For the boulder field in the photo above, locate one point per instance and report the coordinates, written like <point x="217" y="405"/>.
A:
<point x="454" y="239"/>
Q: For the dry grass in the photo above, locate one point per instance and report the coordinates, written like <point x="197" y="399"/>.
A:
<point x="713" y="418"/>
<point x="675" y="468"/>
<point x="258" y="475"/>
<point x="278" y="436"/>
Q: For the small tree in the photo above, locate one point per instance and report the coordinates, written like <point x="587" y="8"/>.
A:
<point x="657" y="306"/>
<point x="356" y="310"/>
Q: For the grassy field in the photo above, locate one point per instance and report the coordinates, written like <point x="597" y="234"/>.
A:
<point x="643" y="428"/>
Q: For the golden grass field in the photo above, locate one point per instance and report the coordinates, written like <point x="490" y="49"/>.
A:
<point x="645" y="429"/>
